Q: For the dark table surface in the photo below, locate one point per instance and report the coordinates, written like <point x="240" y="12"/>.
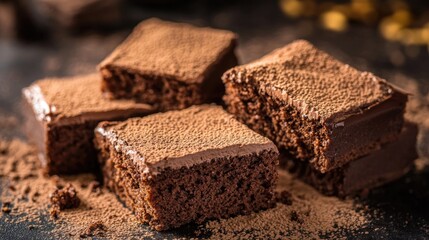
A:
<point x="262" y="27"/>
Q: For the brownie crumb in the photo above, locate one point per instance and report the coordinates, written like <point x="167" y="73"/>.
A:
<point x="284" y="197"/>
<point x="63" y="199"/>
<point x="6" y="207"/>
<point x="32" y="227"/>
<point x="295" y="217"/>
<point x="95" y="229"/>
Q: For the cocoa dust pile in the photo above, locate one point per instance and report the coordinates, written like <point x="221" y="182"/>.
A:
<point x="25" y="197"/>
<point x="301" y="211"/>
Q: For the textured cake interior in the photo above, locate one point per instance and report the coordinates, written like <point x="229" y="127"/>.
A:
<point x="65" y="149"/>
<point x="220" y="188"/>
<point x="167" y="93"/>
<point x="304" y="138"/>
<point x="284" y="125"/>
<point x="392" y="161"/>
<point x="71" y="149"/>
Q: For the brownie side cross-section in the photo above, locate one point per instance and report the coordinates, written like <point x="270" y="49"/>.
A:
<point x="60" y="118"/>
<point x="314" y="106"/>
<point x="170" y="65"/>
<point x="392" y="161"/>
<point x="187" y="166"/>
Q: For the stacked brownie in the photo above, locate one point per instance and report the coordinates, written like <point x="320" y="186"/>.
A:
<point x="170" y="168"/>
<point x="340" y="129"/>
<point x="325" y="116"/>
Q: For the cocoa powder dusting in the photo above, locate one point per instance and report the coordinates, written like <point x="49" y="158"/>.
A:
<point x="309" y="215"/>
<point x="300" y="212"/>
<point x="26" y="193"/>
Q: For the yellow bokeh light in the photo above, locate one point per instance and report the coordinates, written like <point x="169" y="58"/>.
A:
<point x="390" y="29"/>
<point x="292" y="8"/>
<point x="334" y="21"/>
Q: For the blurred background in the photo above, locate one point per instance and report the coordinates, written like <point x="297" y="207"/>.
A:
<point x="43" y="38"/>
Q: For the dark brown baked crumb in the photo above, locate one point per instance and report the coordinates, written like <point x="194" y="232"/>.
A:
<point x="63" y="199"/>
<point x="295" y="217"/>
<point x="95" y="229"/>
<point x="6" y="207"/>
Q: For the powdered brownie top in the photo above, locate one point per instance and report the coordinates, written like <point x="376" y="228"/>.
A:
<point x="168" y="49"/>
<point x="183" y="138"/>
<point x="76" y="99"/>
<point x="320" y="86"/>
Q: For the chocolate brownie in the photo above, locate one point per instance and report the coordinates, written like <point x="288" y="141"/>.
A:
<point x="390" y="162"/>
<point x="170" y="65"/>
<point x="60" y="118"/>
<point x="187" y="166"/>
<point x="314" y="106"/>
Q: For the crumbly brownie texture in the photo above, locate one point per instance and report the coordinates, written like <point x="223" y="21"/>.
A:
<point x="316" y="107"/>
<point x="60" y="117"/>
<point x="171" y="65"/>
<point x="390" y="162"/>
<point x="187" y="166"/>
<point x="63" y="198"/>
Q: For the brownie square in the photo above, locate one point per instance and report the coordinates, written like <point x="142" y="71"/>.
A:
<point x="317" y="108"/>
<point x="170" y="65"/>
<point x="386" y="164"/>
<point x="187" y="166"/>
<point x="61" y="115"/>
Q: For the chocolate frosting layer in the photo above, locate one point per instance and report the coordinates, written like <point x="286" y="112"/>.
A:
<point x="318" y="85"/>
<point x="174" y="50"/>
<point x="77" y="99"/>
<point x="183" y="138"/>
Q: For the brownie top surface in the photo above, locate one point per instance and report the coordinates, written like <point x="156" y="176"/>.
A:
<point x="183" y="138"/>
<point x="76" y="98"/>
<point x="174" y="50"/>
<point x="317" y="84"/>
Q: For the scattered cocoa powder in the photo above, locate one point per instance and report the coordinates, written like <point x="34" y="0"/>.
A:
<point x="301" y="212"/>
<point x="310" y="215"/>
<point x="29" y="201"/>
